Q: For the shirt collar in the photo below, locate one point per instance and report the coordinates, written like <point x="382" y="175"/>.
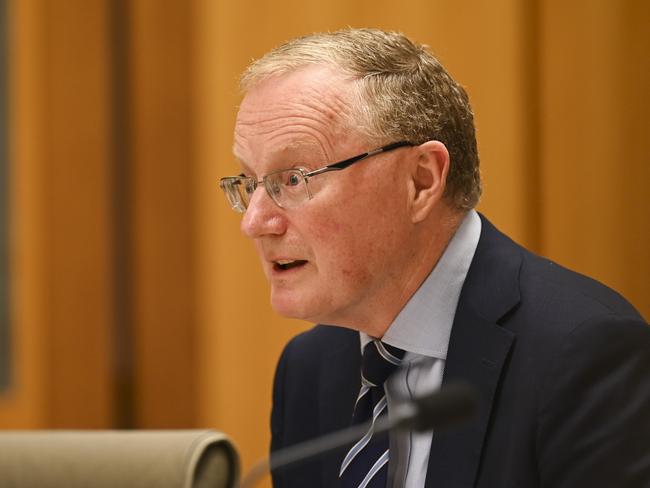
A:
<point x="424" y="324"/>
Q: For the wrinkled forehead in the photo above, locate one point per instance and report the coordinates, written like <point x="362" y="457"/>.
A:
<point x="311" y="103"/>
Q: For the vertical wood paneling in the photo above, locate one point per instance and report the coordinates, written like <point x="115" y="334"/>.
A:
<point x="60" y="250"/>
<point x="162" y="216"/>
<point x="5" y="350"/>
<point x="24" y="404"/>
<point x="557" y="89"/>
<point x="634" y="159"/>
<point x="76" y="166"/>
<point x="595" y="163"/>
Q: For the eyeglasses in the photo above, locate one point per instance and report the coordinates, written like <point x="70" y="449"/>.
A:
<point x="287" y="187"/>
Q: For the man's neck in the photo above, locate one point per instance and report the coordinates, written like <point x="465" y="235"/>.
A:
<point x="430" y="246"/>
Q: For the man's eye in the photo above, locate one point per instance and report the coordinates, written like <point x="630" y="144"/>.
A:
<point x="293" y="179"/>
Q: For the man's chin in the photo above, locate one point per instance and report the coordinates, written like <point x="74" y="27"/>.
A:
<point x="290" y="313"/>
<point x="295" y="306"/>
<point x="289" y="307"/>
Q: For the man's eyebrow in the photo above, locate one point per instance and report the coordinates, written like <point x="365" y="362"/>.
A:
<point x="290" y="162"/>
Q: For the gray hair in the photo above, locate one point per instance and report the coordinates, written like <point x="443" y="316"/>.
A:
<point x="403" y="93"/>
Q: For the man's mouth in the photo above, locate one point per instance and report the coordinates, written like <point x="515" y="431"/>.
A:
<point x="286" y="264"/>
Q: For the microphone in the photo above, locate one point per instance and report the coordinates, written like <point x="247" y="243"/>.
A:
<point x="450" y="406"/>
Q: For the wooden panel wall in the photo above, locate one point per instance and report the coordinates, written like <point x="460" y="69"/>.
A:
<point x="594" y="123"/>
<point x="162" y="226"/>
<point x="61" y="216"/>
<point x="139" y="277"/>
<point x="102" y="257"/>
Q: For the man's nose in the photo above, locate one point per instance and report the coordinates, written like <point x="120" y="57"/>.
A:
<point x="263" y="216"/>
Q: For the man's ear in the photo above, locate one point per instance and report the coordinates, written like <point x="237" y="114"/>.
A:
<point x="428" y="178"/>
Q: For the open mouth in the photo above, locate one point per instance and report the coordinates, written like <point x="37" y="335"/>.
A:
<point x="285" y="265"/>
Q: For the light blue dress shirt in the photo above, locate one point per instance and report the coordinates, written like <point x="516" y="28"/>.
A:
<point x="422" y="329"/>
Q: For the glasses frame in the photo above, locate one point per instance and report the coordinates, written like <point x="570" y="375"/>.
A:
<point x="240" y="206"/>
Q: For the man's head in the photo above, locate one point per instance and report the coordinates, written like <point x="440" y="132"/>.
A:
<point x="401" y="92"/>
<point x="349" y="247"/>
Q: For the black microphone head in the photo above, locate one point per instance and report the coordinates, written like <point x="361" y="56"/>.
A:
<point x="450" y="406"/>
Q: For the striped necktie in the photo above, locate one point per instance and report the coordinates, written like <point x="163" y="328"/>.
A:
<point x="366" y="463"/>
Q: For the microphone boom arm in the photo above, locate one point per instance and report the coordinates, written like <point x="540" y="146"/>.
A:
<point x="452" y="405"/>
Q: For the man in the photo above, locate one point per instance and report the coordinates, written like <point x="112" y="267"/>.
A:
<point x="359" y="179"/>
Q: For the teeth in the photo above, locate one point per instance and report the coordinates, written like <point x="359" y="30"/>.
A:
<point x="285" y="264"/>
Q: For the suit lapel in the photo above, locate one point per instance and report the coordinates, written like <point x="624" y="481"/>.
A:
<point x="478" y="350"/>
<point x="339" y="387"/>
<point x="477" y="357"/>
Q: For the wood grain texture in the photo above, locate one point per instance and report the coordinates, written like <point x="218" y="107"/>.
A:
<point x="558" y="92"/>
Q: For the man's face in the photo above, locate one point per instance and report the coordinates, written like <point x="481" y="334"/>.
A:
<point x="341" y="257"/>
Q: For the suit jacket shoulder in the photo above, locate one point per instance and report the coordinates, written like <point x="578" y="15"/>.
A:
<point x="316" y="383"/>
<point x="546" y="348"/>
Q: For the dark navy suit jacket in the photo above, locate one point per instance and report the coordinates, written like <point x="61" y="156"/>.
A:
<point x="562" y="364"/>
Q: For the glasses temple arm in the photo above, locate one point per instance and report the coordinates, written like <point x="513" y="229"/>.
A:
<point x="344" y="164"/>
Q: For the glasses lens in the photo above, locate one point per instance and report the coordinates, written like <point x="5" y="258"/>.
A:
<point x="235" y="189"/>
<point x="288" y="188"/>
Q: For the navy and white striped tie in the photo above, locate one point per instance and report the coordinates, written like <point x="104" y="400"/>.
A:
<point x="366" y="463"/>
